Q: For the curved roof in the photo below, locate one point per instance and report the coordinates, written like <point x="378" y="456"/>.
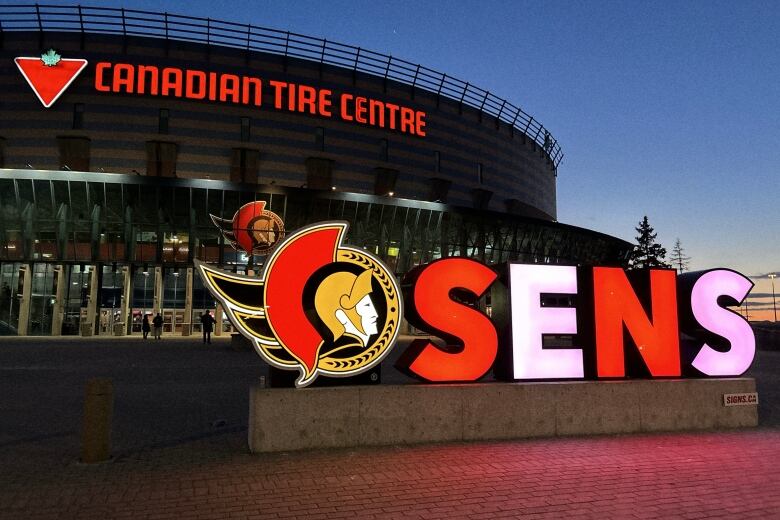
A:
<point x="252" y="38"/>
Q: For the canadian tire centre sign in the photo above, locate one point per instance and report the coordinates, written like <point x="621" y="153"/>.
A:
<point x="50" y="75"/>
<point x="321" y="307"/>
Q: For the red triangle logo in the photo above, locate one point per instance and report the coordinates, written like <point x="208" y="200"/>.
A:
<point x="49" y="82"/>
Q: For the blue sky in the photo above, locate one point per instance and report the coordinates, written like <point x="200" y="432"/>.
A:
<point x="666" y="109"/>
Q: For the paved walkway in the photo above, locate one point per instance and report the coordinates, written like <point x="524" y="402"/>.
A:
<point x="704" y="475"/>
<point x="181" y="453"/>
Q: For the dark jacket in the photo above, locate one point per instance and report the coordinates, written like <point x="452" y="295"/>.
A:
<point x="145" y="327"/>
<point x="208" y="322"/>
<point x="157" y="321"/>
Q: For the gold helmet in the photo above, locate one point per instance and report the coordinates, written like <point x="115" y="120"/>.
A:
<point x="341" y="291"/>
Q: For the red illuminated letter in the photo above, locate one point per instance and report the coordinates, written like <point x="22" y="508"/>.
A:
<point x="616" y="305"/>
<point x="433" y="310"/>
<point x="419" y="123"/>
<point x="171" y="82"/>
<point x="124" y="78"/>
<point x="345" y="115"/>
<point x="99" y="68"/>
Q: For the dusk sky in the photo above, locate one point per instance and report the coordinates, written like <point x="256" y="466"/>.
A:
<point x="665" y="109"/>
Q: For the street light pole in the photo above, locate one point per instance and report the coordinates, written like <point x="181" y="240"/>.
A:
<point x="774" y="303"/>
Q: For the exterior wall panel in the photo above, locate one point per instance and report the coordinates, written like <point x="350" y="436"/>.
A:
<point x="119" y="125"/>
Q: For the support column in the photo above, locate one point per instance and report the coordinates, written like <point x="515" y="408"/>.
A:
<point x="186" y="326"/>
<point x="88" y="328"/>
<point x="218" y="319"/>
<point x="158" y="291"/>
<point x="25" y="273"/>
<point x="58" y="309"/>
<point x="124" y="306"/>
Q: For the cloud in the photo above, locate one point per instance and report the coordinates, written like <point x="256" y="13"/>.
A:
<point x="764" y="276"/>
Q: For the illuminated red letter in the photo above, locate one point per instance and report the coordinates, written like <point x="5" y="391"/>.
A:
<point x="345" y="98"/>
<point x="99" y="76"/>
<point x="407" y="120"/>
<point x="124" y="77"/>
<point x="419" y="123"/>
<point x="171" y="81"/>
<point x="616" y="305"/>
<point x="324" y="102"/>
<point x="151" y="71"/>
<point x="196" y="84"/>
<point x="228" y="88"/>
<point x="433" y="310"/>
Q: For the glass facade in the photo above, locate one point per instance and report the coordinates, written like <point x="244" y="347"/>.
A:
<point x="94" y="227"/>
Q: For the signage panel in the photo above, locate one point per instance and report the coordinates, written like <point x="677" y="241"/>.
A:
<point x="742" y="399"/>
<point x="324" y="308"/>
<point x="50" y="75"/>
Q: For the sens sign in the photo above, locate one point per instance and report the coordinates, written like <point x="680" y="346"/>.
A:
<point x="649" y="323"/>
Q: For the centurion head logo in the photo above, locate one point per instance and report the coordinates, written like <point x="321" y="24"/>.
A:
<point x="253" y="228"/>
<point x="319" y="307"/>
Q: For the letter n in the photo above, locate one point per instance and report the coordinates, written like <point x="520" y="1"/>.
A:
<point x="620" y="317"/>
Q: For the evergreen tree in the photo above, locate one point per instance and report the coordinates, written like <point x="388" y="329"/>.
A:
<point x="646" y="252"/>
<point x="679" y="260"/>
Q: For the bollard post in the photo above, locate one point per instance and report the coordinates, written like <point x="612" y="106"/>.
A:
<point x="98" y="411"/>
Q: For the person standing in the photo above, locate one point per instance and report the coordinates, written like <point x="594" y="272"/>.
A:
<point x="208" y="322"/>
<point x="158" y="323"/>
<point x="145" y="327"/>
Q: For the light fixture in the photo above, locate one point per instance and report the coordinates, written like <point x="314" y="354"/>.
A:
<point x="390" y="193"/>
<point x="333" y="188"/>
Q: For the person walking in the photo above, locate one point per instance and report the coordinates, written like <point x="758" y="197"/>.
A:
<point x="145" y="327"/>
<point x="158" y="323"/>
<point x="208" y="322"/>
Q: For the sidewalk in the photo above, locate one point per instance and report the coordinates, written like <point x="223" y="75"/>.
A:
<point x="169" y="392"/>
<point x="702" y="475"/>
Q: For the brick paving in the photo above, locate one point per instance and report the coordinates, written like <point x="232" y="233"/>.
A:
<point x="179" y="453"/>
<point x="703" y="475"/>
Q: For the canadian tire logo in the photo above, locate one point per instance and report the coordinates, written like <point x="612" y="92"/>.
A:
<point x="49" y="75"/>
<point x="320" y="307"/>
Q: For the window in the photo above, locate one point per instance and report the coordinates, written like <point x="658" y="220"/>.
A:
<point x="319" y="138"/>
<point x="162" y="125"/>
<point x="246" y="129"/>
<point x="480" y="174"/>
<point x="383" y="152"/>
<point x="78" y="116"/>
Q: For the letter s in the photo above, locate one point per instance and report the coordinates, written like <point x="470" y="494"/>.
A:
<point x="706" y="291"/>
<point x="430" y="307"/>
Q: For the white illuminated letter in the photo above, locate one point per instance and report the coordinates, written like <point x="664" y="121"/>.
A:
<point x="530" y="320"/>
<point x="723" y="322"/>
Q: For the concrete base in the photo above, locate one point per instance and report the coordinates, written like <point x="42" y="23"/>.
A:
<point x="337" y="417"/>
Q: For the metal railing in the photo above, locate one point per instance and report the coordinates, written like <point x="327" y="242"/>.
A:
<point x="133" y="22"/>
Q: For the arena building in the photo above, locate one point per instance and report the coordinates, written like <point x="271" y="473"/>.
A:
<point x="124" y="131"/>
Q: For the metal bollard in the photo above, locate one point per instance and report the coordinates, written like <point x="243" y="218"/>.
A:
<point x="98" y="412"/>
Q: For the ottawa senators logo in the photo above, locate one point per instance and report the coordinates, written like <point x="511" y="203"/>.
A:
<point x="253" y="228"/>
<point x="320" y="307"/>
